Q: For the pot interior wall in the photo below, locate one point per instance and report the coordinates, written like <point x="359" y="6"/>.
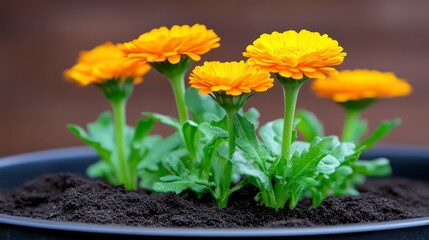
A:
<point x="16" y="170"/>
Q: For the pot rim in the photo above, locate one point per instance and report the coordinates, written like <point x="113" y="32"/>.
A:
<point x="211" y="232"/>
<point x="85" y="152"/>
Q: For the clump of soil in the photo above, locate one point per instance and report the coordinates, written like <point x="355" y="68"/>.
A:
<point x="69" y="197"/>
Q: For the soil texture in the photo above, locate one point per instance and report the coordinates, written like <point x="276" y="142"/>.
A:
<point x="70" y="197"/>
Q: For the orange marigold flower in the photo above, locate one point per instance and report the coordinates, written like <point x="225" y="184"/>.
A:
<point x="163" y="44"/>
<point x="233" y="78"/>
<point x="105" y="62"/>
<point x="295" y="55"/>
<point x="352" y="85"/>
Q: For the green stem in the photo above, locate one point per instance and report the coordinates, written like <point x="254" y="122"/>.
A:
<point x="240" y="185"/>
<point x="231" y="133"/>
<point x="290" y="91"/>
<point x="269" y="197"/>
<point x="120" y="123"/>
<point x="352" y="119"/>
<point x="272" y="200"/>
<point x="225" y="185"/>
<point x="279" y="192"/>
<point x="227" y="173"/>
<point x="178" y="85"/>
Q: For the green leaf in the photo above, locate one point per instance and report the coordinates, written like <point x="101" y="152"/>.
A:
<point x="306" y="163"/>
<point x="248" y="142"/>
<point x="104" y="153"/>
<point x="223" y="124"/>
<point x="179" y="184"/>
<point x="382" y="131"/>
<point x="164" y="119"/>
<point x="278" y="167"/>
<point x="319" y="169"/>
<point x="155" y="150"/>
<point x="100" y="137"/>
<point x="327" y="165"/>
<point x="249" y="168"/>
<point x="149" y="178"/>
<point x="379" y="167"/>
<point x="207" y="132"/>
<point x="309" y="125"/>
<point x="210" y="151"/>
<point x="101" y="169"/>
<point x="205" y="137"/>
<point x="271" y="134"/>
<point x="202" y="107"/>
<point x="344" y="171"/>
<point x="159" y="151"/>
<point x="299" y="146"/>
<point x="305" y="167"/>
<point x="139" y="143"/>
<point x="140" y="147"/>
<point x="175" y="165"/>
<point x="337" y="182"/>
<point x="209" y="148"/>
<point x="102" y="131"/>
<point x="344" y="151"/>
<point x="217" y="162"/>
<point x="253" y="116"/>
<point x="190" y="130"/>
<point x="142" y="129"/>
<point x="294" y="135"/>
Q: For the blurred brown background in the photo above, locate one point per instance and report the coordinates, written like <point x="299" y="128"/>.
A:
<point x="39" y="39"/>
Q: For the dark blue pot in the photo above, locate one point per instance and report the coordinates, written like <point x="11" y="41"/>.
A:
<point x="407" y="161"/>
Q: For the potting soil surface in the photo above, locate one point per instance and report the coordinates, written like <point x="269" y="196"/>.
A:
<point x="70" y="197"/>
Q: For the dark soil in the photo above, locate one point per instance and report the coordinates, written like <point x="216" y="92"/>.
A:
<point x="69" y="197"/>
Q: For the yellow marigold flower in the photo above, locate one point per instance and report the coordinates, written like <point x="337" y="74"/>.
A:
<point x="233" y="78"/>
<point x="105" y="62"/>
<point x="295" y="55"/>
<point x="163" y="44"/>
<point x="352" y="85"/>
